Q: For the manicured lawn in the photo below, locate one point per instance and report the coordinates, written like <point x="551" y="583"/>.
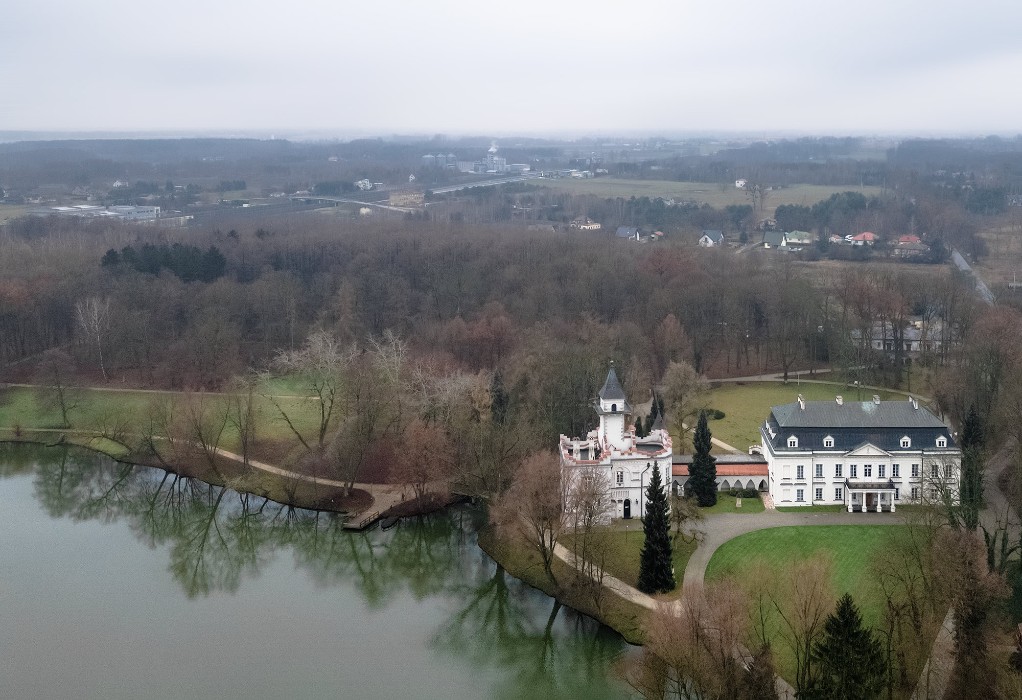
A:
<point x="625" y="548"/>
<point x="746" y="406"/>
<point x="727" y="504"/>
<point x="851" y="548"/>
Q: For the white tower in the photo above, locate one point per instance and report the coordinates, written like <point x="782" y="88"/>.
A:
<point x="612" y="408"/>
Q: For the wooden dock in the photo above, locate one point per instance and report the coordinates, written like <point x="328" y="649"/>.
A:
<point x="362" y="520"/>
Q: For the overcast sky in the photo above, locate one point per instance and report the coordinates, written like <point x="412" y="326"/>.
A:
<point x="532" y="66"/>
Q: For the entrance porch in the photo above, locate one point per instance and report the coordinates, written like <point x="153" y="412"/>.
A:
<point x="870" y="497"/>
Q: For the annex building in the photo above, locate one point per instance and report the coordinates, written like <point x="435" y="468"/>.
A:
<point x="614" y="455"/>
<point x="863" y="455"/>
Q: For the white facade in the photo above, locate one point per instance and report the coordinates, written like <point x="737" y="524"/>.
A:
<point x="865" y="456"/>
<point x="623" y="461"/>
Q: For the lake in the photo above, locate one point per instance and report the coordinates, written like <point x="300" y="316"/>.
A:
<point x="129" y="582"/>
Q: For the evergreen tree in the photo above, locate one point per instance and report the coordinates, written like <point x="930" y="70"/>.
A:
<point x="971" y="494"/>
<point x="849" y="659"/>
<point x="499" y="399"/>
<point x="702" y="475"/>
<point x="639" y="432"/>
<point x="656" y="570"/>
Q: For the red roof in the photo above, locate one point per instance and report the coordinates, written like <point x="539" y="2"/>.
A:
<point x="909" y="238"/>
<point x="865" y="236"/>
<point x="750" y="469"/>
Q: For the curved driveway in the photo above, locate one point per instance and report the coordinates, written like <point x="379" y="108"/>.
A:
<point x="721" y="528"/>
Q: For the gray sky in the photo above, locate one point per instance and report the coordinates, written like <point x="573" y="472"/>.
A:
<point x="532" y="66"/>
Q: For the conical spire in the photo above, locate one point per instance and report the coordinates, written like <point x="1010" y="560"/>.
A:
<point x="612" y="390"/>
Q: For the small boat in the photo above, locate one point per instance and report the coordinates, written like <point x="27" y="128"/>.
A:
<point x="388" y="523"/>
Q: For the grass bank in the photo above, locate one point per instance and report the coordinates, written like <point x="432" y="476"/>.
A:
<point x="524" y="563"/>
<point x="624" y="550"/>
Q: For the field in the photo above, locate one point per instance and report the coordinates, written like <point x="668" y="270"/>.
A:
<point x="746" y="406"/>
<point x="127" y="413"/>
<point x="13" y="211"/>
<point x="716" y="195"/>
<point x="851" y="548"/>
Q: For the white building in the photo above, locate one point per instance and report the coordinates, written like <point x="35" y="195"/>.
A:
<point x="616" y="455"/>
<point x="864" y="455"/>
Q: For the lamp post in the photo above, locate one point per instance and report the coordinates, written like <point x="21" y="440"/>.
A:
<point x="642" y="489"/>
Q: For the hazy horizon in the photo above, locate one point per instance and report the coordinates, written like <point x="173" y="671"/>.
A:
<point x="544" y="69"/>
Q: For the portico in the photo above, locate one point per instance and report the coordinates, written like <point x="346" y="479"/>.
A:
<point x="870" y="496"/>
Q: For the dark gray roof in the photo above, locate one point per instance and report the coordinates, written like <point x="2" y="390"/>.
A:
<point x="774" y="238"/>
<point x="855" y="414"/>
<point x="612" y="390"/>
<point x="714" y="235"/>
<point x="856" y="423"/>
<point x="627" y="231"/>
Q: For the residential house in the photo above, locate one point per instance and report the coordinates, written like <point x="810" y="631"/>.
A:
<point x="615" y="455"/>
<point x="711" y="239"/>
<point x="864" y="238"/>
<point x="862" y="455"/>
<point x="631" y="232"/>
<point x="799" y="238"/>
<point x="584" y="223"/>
<point x="774" y="239"/>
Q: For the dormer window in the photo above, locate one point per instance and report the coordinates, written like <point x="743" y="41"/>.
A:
<point x="906" y="442"/>
<point x="942" y="441"/>
<point x="828" y="441"/>
<point x="792" y="441"/>
<point x="613" y="408"/>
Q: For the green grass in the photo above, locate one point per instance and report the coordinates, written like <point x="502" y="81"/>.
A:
<point x="851" y="548"/>
<point x="701" y="192"/>
<point x="726" y="504"/>
<point x="625" y="548"/>
<point x="746" y="406"/>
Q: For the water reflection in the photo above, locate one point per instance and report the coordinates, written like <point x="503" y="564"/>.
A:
<point x="218" y="538"/>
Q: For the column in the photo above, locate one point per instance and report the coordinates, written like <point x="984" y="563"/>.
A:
<point x="848" y="499"/>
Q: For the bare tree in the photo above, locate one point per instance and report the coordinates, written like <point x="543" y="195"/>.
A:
<point x="56" y="374"/>
<point x="425" y="457"/>
<point x="590" y="508"/>
<point x="242" y="414"/>
<point x="320" y="365"/>
<point x="803" y="601"/>
<point x="684" y="395"/>
<point x="694" y="652"/>
<point x="92" y="316"/>
<point x="534" y="505"/>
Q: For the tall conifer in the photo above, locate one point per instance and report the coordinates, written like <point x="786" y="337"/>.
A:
<point x="702" y="475"/>
<point x="656" y="570"/>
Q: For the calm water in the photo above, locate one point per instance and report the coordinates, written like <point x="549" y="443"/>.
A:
<point x="121" y="582"/>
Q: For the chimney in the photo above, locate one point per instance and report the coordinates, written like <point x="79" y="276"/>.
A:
<point x="840" y="400"/>
<point x="915" y="404"/>
<point x="876" y="399"/>
<point x="801" y="402"/>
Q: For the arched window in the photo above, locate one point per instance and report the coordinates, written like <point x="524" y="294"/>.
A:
<point x="828" y="441"/>
<point x="792" y="441"/>
<point x="613" y="408"/>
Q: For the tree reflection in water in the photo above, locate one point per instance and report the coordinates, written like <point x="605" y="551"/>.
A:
<point x="217" y="537"/>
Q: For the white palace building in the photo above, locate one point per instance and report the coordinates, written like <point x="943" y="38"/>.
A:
<point x="623" y="460"/>
<point x="864" y="455"/>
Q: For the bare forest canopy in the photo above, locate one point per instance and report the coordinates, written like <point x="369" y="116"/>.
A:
<point x="467" y="284"/>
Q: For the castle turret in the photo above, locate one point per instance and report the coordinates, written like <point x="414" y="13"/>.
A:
<point x="613" y="409"/>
